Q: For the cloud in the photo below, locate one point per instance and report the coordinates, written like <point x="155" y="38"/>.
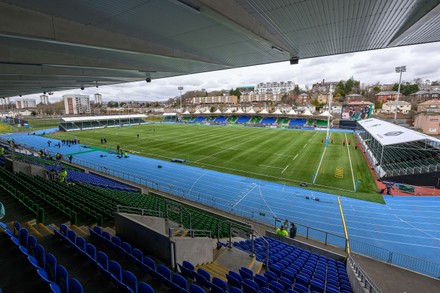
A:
<point x="368" y="67"/>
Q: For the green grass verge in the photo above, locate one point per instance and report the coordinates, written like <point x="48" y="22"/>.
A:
<point x="34" y="124"/>
<point x="283" y="156"/>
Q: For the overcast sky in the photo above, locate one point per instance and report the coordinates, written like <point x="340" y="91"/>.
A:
<point x="422" y="61"/>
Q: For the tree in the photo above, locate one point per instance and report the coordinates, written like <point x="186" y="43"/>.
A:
<point x="33" y="113"/>
<point x="406" y="88"/>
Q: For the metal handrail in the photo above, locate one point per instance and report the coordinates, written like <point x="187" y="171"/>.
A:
<point x="369" y="285"/>
<point x="267" y="247"/>
<point x="192" y="232"/>
<point x="139" y="211"/>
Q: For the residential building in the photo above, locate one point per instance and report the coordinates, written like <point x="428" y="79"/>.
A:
<point x="429" y="123"/>
<point x="274" y="88"/>
<point x="323" y="98"/>
<point x="385" y="96"/>
<point x="422" y="96"/>
<point x="25" y="103"/>
<point x="44" y="99"/>
<point x="303" y="99"/>
<point x="98" y="99"/>
<point x="225" y="99"/>
<point x="429" y="106"/>
<point x="5" y="101"/>
<point x="253" y="97"/>
<point x="324" y="86"/>
<point x="354" y="98"/>
<point x="76" y="104"/>
<point x="402" y="107"/>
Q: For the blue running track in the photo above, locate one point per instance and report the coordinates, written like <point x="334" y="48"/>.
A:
<point x="404" y="231"/>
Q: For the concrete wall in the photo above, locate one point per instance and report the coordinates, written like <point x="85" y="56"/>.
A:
<point x="150" y="234"/>
<point x="135" y="229"/>
<point x="29" y="169"/>
<point x="197" y="250"/>
<point x="306" y="246"/>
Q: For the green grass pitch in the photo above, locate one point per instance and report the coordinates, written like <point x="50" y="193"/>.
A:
<point x="279" y="155"/>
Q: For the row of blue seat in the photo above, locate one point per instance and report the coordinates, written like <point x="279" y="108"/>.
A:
<point x="46" y="264"/>
<point x="92" y="179"/>
<point x="310" y="270"/>
<point x="202" y="278"/>
<point x="111" y="269"/>
<point x="176" y="282"/>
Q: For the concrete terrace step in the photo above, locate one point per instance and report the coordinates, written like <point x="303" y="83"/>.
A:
<point x="44" y="230"/>
<point x="79" y="230"/>
<point x="233" y="259"/>
<point x="215" y="270"/>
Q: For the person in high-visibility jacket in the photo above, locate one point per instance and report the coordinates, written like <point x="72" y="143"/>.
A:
<point x="63" y="175"/>
<point x="2" y="151"/>
<point x="284" y="232"/>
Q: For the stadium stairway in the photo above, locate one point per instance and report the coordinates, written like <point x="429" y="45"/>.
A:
<point x="230" y="259"/>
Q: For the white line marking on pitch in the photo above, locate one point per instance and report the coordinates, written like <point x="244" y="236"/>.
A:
<point x="305" y="145"/>
<point x="268" y="166"/>
<point x="319" y="166"/>
<point x="349" y="159"/>
<point x="255" y="185"/>
<point x="295" y="157"/>
<point x="285" y="169"/>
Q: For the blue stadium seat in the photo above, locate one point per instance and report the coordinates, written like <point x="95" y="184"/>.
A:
<point x="234" y="289"/>
<point x="81" y="243"/>
<point x="203" y="278"/>
<point x="62" y="279"/>
<point x="130" y="280"/>
<point x="145" y="288"/>
<point x="64" y="229"/>
<point x="164" y="274"/>
<point x="271" y="276"/>
<point x="266" y="290"/>
<point x="49" y="272"/>
<point x="138" y="255"/>
<point x="218" y="285"/>
<point x="97" y="230"/>
<point x="178" y="283"/>
<point x="91" y="251"/>
<point x="32" y="243"/>
<point x="102" y="259"/>
<point x="71" y="235"/>
<point x="187" y="269"/>
<point x="39" y="258"/>
<point x="115" y="270"/>
<point x="150" y="263"/>
<point x="196" y="289"/>
<point x="16" y="229"/>
<point x="127" y="247"/>
<point x="246" y="273"/>
<point x="116" y="240"/>
<point x="234" y="279"/>
<point x="276" y="287"/>
<point x="249" y="286"/>
<point x="301" y="288"/>
<point x="285" y="282"/>
<point x="75" y="286"/>
<point x="261" y="280"/>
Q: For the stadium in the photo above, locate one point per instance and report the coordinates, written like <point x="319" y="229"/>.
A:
<point x="195" y="202"/>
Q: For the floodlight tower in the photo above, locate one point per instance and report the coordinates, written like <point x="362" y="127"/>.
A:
<point x="399" y="69"/>
<point x="180" y="88"/>
<point x="330" y="98"/>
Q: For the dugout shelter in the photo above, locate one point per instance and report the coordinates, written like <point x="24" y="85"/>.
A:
<point x="397" y="152"/>
<point x="94" y="122"/>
